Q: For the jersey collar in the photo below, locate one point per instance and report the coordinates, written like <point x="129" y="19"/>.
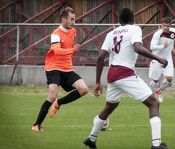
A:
<point x="64" y="29"/>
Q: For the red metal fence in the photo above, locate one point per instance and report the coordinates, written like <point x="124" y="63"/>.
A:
<point x="28" y="43"/>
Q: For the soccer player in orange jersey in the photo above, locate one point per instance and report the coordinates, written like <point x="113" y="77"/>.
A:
<point x="59" y="69"/>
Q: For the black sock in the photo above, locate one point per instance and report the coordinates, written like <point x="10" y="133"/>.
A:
<point x="69" y="98"/>
<point x="43" y="112"/>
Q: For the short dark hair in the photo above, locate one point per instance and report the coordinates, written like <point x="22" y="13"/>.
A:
<point x="126" y="16"/>
<point x="167" y="20"/>
<point x="65" y="12"/>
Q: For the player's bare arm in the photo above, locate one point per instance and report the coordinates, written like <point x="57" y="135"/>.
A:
<point x="144" y="52"/>
<point x="100" y="64"/>
<point x="98" y="90"/>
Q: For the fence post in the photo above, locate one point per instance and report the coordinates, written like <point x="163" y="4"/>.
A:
<point x="17" y="44"/>
<point x="17" y="57"/>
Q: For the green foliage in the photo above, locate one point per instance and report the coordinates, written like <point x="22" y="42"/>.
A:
<point x="130" y="126"/>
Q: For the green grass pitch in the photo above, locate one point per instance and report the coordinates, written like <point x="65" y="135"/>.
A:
<point x="130" y="126"/>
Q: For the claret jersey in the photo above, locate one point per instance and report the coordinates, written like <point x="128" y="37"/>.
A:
<point x="119" y="43"/>
<point x="59" y="57"/>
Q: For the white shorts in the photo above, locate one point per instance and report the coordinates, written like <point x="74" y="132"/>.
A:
<point x="134" y="86"/>
<point x="155" y="70"/>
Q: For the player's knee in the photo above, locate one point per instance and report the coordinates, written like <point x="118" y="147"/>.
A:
<point x="155" y="81"/>
<point x="52" y="96"/>
<point x="169" y="79"/>
<point x="83" y="91"/>
<point x="153" y="102"/>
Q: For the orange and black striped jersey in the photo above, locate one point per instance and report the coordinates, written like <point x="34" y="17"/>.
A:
<point x="59" y="57"/>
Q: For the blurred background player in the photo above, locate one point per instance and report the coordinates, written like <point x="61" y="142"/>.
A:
<point x="125" y="43"/>
<point x="162" y="44"/>
<point x="59" y="69"/>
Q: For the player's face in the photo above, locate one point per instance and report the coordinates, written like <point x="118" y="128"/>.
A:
<point x="166" y="27"/>
<point x="70" y="21"/>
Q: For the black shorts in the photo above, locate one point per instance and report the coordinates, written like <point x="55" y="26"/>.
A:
<point x="64" y="79"/>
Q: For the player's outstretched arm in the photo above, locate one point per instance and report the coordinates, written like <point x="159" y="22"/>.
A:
<point x="141" y="50"/>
